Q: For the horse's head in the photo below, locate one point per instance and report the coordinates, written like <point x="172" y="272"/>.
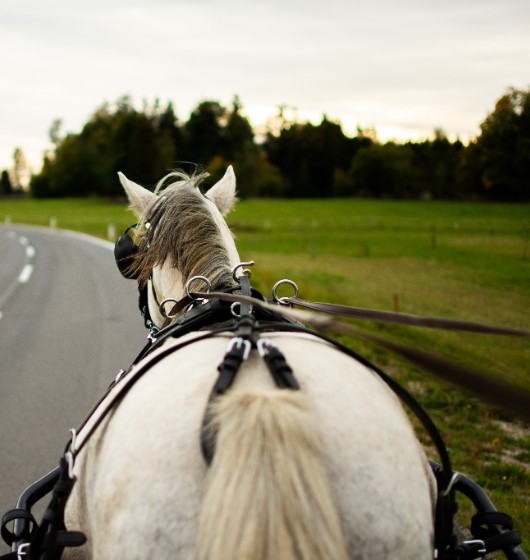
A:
<point x="181" y="233"/>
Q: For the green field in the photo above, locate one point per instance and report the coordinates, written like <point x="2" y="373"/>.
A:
<point x="462" y="260"/>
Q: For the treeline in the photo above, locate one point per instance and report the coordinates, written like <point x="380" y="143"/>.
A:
<point x="291" y="159"/>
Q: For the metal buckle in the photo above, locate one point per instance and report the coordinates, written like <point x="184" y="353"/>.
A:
<point x="21" y="550"/>
<point x="153" y="331"/>
<point x="151" y="337"/>
<point x="69" y="456"/>
<point x="263" y="346"/>
<point x="452" y="482"/>
<point x="477" y="546"/>
<point x="238" y="343"/>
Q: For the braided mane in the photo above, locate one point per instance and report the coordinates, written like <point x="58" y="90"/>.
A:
<point x="179" y="227"/>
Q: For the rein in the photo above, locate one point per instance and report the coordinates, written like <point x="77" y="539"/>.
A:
<point x="405" y="318"/>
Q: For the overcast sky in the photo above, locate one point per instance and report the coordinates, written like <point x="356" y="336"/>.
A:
<point x="405" y="67"/>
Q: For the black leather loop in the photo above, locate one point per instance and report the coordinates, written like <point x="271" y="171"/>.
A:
<point x="12" y="515"/>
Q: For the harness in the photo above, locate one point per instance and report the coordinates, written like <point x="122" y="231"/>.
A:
<point x="246" y="314"/>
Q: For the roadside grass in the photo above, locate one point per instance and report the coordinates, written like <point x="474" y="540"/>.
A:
<point x="87" y="215"/>
<point x="461" y="260"/>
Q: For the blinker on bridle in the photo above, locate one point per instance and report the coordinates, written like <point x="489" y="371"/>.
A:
<point x="127" y="245"/>
<point x="125" y="249"/>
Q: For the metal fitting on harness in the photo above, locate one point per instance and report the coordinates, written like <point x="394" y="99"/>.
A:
<point x="21" y="550"/>
<point x="235" y="313"/>
<point x="264" y="344"/>
<point x="239" y="342"/>
<point x="245" y="271"/>
<point x="278" y="367"/>
<point x="284" y="300"/>
<point x="69" y="456"/>
<point x="454" y="479"/>
<point x="474" y="549"/>
<point x="193" y="279"/>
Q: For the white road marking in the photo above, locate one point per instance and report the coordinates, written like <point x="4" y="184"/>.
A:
<point x="26" y="273"/>
<point x="1" y="315"/>
<point x="28" y="269"/>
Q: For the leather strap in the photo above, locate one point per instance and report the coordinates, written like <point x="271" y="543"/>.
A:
<point x="236" y="353"/>
<point x="12" y="515"/>
<point x="280" y="370"/>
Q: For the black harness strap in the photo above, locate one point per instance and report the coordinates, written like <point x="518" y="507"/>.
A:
<point x="279" y="368"/>
<point x="237" y="351"/>
<point x="495" y="530"/>
<point x="50" y="538"/>
<point x="246" y="337"/>
<point x="16" y="515"/>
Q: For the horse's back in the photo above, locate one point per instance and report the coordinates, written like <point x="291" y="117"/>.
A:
<point x="142" y="476"/>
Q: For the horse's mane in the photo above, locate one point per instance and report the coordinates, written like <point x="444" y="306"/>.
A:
<point x="181" y="228"/>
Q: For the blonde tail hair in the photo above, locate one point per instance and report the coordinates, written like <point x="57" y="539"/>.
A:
<point x="268" y="495"/>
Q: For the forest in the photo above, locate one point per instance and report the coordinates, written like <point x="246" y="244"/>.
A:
<point x="289" y="160"/>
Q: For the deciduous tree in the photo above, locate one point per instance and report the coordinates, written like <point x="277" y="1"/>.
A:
<point x="499" y="160"/>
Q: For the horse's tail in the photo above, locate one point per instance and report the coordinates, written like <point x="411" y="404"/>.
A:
<point x="268" y="495"/>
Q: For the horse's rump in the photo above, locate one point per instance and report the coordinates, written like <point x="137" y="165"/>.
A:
<point x="147" y="475"/>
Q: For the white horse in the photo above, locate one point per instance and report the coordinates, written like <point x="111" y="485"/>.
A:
<point x="331" y="471"/>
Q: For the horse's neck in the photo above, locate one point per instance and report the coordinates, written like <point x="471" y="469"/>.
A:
<point x="169" y="282"/>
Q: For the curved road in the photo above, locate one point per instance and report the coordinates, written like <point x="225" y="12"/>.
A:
<point x="68" y="323"/>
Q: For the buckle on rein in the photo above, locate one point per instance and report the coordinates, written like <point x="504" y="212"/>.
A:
<point x="239" y="343"/>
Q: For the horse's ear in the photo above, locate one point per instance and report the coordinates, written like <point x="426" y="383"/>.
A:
<point x="223" y="193"/>
<point x="140" y="198"/>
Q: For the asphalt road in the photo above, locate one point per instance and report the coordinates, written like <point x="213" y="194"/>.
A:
<point x="68" y="323"/>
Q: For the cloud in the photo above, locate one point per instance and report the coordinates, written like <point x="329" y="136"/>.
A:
<point x="402" y="63"/>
